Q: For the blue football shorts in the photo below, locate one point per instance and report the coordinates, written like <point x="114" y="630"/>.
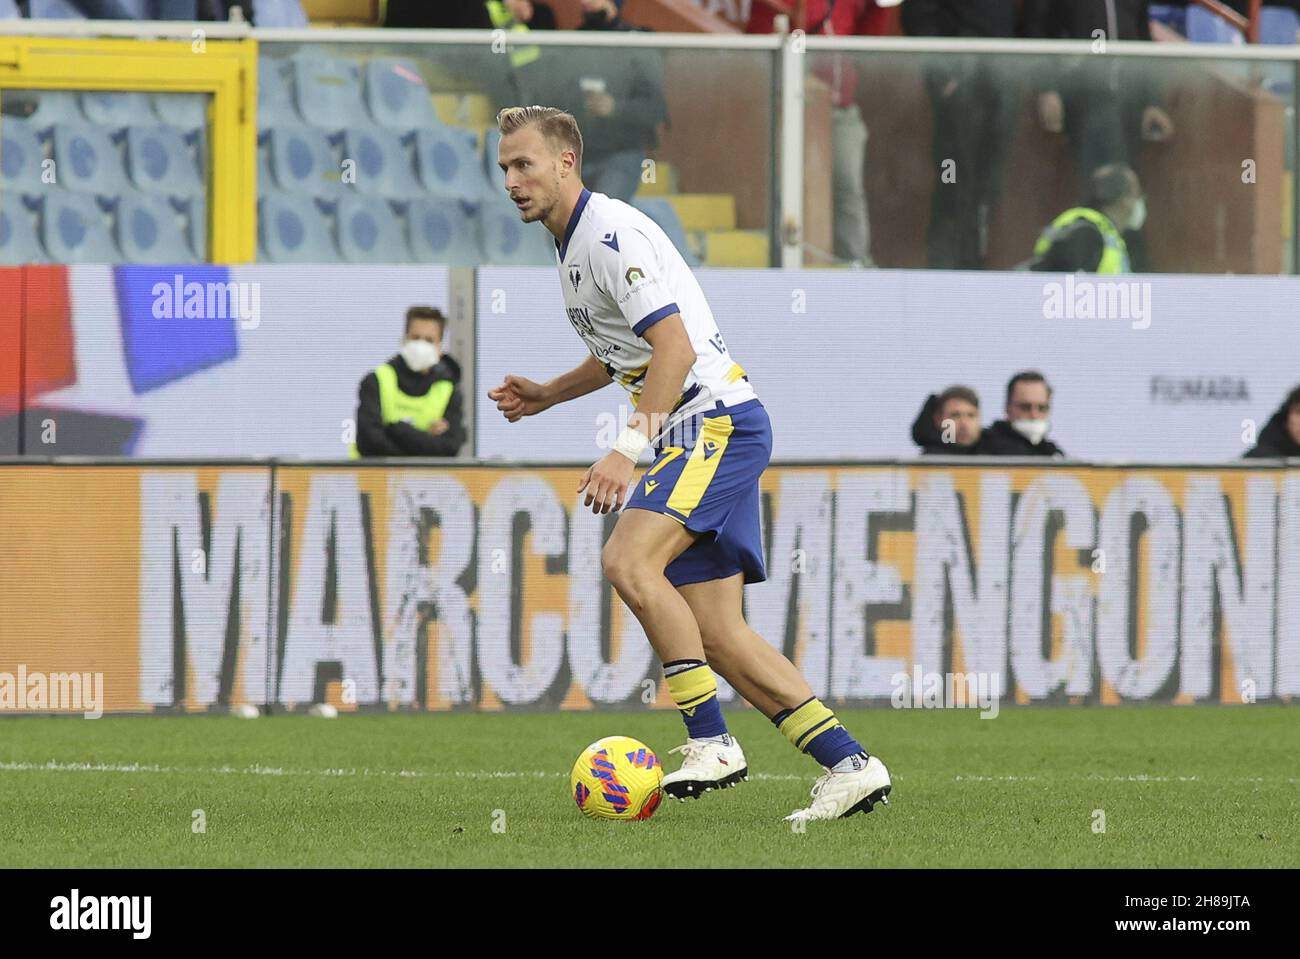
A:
<point x="708" y="482"/>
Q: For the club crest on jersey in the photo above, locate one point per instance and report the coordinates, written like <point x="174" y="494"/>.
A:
<point x="633" y="274"/>
<point x="575" y="277"/>
<point x="611" y="241"/>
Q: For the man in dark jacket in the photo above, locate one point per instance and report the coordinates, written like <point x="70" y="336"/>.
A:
<point x="1024" y="431"/>
<point x="973" y="103"/>
<point x="949" y="423"/>
<point x="410" y="406"/>
<point x="1281" y="434"/>
<point x="466" y="14"/>
<point x="1106" y="105"/>
<point x="603" y="15"/>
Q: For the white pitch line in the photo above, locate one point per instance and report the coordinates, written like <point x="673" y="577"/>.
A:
<point x="257" y="769"/>
<point x="338" y="772"/>
<point x="1139" y="778"/>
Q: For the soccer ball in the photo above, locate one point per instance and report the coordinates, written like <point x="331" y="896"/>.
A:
<point x="617" y="778"/>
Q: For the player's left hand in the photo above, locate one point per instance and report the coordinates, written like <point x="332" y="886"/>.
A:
<point x="606" y="483"/>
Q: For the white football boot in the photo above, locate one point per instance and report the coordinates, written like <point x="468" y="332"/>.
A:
<point x="839" y="794"/>
<point x="706" y="765"/>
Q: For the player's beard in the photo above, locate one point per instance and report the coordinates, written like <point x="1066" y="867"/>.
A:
<point x="538" y="210"/>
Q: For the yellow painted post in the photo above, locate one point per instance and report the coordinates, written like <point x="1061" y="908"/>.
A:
<point x="225" y="69"/>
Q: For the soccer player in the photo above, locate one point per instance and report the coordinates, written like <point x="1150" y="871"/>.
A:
<point x="688" y="537"/>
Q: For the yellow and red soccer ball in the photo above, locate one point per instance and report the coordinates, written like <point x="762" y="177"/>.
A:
<point x="617" y="778"/>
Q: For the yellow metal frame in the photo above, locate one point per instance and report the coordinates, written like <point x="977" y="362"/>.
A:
<point x="227" y="70"/>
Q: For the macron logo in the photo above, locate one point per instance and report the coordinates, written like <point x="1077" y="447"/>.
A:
<point x="102" y="912"/>
<point x="611" y="241"/>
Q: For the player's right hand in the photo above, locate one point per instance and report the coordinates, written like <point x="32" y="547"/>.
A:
<point x="517" y="397"/>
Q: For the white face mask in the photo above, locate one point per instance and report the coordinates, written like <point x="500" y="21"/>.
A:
<point x="420" y="355"/>
<point x="1033" y="430"/>
<point x="1139" y="214"/>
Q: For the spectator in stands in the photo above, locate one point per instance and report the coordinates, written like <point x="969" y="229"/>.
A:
<point x="410" y="405"/>
<point x="1281" y="434"/>
<point x="1090" y="238"/>
<point x="470" y="14"/>
<point x="973" y="114"/>
<point x="617" y="96"/>
<point x="604" y="15"/>
<point x="505" y="13"/>
<point x="851" y="223"/>
<point x="1024" y="431"/>
<point x="949" y="423"/>
<point x="1106" y="105"/>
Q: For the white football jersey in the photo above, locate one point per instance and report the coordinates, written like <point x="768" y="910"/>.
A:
<point x="621" y="275"/>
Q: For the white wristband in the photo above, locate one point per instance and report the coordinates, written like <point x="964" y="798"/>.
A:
<point x="630" y="443"/>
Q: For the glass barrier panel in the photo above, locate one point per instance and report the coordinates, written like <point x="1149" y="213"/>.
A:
<point x="963" y="161"/>
<point x="387" y="152"/>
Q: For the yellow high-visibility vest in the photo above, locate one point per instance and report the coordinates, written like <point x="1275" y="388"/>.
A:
<point x="396" y="406"/>
<point x="1114" y="254"/>
<point x="502" y="19"/>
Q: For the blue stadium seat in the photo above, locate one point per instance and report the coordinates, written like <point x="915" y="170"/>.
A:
<point x="159" y="161"/>
<point x="662" y="212"/>
<point x="448" y="162"/>
<point x="397" y="95"/>
<point x="1278" y="25"/>
<point x="383" y="164"/>
<point x="21" y="156"/>
<point x="508" y="241"/>
<point x="149" y="230"/>
<point x="293" y="230"/>
<point x="54" y="10"/>
<point x="56" y="106"/>
<point x="303" y="162"/>
<point x="369" y="232"/>
<point x="265" y="180"/>
<point x="328" y="90"/>
<point x="441" y="231"/>
<point x="1206" y="27"/>
<point x="86" y="159"/>
<point x="18" y="241"/>
<point x="279" y="13"/>
<point x="170" y="9"/>
<point x="275" y="103"/>
<point x="74" y="229"/>
<point x="186" y="112"/>
<point x="195" y="210"/>
<point x="491" y="143"/>
<point x="118" y="110"/>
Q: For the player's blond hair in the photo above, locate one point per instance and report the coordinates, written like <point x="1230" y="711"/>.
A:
<point x="559" y="127"/>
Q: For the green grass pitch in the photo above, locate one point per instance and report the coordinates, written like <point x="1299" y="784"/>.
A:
<point x="1177" y="786"/>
